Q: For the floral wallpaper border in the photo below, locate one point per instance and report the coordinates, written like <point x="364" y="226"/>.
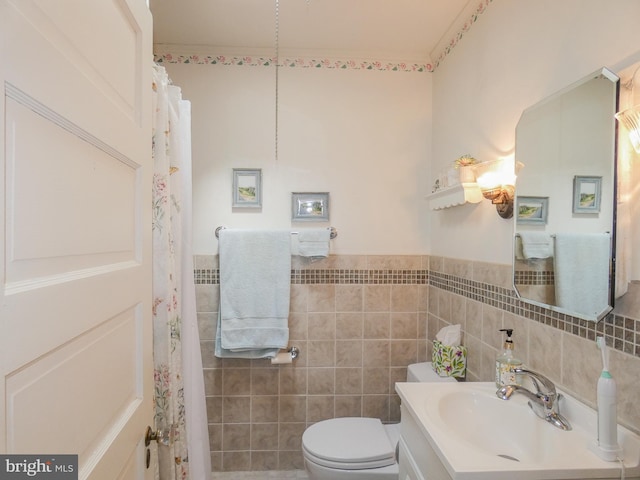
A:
<point x="257" y="61"/>
<point x="462" y="30"/>
<point x="325" y="62"/>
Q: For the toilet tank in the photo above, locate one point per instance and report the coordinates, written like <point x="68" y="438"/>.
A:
<point x="423" y="372"/>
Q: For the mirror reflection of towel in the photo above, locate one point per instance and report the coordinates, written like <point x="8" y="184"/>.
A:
<point x="582" y="272"/>
<point x="536" y="244"/>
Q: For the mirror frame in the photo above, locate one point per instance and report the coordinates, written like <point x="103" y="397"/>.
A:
<point x="605" y="72"/>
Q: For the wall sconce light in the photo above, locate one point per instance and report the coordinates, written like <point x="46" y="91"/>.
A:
<point x="497" y="180"/>
<point x="630" y="117"/>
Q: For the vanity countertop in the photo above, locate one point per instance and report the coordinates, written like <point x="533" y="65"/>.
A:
<point x="478" y="436"/>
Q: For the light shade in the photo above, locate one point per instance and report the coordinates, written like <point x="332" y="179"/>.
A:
<point x="630" y="118"/>
<point x="496" y="173"/>
<point x="497" y="180"/>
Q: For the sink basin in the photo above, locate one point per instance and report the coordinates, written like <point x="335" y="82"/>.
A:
<point x="494" y="426"/>
<point x="476" y="435"/>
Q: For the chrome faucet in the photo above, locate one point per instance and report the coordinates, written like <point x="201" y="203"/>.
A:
<point x="544" y="402"/>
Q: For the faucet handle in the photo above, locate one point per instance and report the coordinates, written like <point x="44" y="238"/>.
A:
<point x="538" y="379"/>
<point x="536" y="384"/>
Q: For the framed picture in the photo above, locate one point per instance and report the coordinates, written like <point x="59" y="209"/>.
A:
<point x="247" y="188"/>
<point x="532" y="210"/>
<point x="586" y="194"/>
<point x="311" y="207"/>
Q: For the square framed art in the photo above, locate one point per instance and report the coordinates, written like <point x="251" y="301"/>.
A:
<point x="310" y="206"/>
<point x="533" y="210"/>
<point x="587" y="192"/>
<point x="247" y="188"/>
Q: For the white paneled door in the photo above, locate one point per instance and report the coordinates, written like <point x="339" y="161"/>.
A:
<point x="75" y="325"/>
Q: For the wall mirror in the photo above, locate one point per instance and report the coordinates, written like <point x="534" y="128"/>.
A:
<point x="565" y="199"/>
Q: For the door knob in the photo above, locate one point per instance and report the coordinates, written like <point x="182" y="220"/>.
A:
<point x="149" y="436"/>
<point x="163" y="436"/>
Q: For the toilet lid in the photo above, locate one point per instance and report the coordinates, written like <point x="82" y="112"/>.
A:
<point x="350" y="443"/>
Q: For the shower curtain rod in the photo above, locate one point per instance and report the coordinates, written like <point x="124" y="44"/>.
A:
<point x="332" y="235"/>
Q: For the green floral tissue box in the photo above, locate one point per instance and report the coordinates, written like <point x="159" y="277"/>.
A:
<point x="449" y="361"/>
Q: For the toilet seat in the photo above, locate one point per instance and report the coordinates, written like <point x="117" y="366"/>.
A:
<point x="350" y="443"/>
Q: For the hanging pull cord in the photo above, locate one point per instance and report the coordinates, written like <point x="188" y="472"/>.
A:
<point x="277" y="62"/>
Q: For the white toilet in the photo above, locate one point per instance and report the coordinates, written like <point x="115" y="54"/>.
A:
<point x="355" y="448"/>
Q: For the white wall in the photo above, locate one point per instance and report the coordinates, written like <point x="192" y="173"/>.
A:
<point x="363" y="136"/>
<point x="518" y="53"/>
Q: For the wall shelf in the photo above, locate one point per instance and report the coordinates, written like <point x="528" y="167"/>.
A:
<point x="454" y="196"/>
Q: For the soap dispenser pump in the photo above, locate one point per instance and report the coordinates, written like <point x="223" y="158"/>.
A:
<point x="506" y="362"/>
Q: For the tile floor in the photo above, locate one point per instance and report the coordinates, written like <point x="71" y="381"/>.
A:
<point x="273" y="475"/>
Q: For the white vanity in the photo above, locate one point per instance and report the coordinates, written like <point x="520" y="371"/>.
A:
<point x="463" y="431"/>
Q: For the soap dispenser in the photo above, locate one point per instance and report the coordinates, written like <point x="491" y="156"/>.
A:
<point x="506" y="362"/>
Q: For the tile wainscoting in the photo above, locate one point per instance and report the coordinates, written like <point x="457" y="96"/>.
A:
<point x="359" y="321"/>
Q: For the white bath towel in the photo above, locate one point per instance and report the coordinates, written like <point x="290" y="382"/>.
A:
<point x="314" y="243"/>
<point x="255" y="283"/>
<point x="536" y="244"/>
<point x="581" y="265"/>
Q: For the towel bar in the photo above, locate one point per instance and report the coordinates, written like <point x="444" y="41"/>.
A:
<point x="332" y="235"/>
<point x="552" y="235"/>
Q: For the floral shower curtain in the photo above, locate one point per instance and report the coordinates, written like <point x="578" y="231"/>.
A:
<point x="180" y="412"/>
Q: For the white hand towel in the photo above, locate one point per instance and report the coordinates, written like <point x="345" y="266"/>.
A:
<point x="255" y="281"/>
<point x="314" y="243"/>
<point x="581" y="267"/>
<point x="536" y="244"/>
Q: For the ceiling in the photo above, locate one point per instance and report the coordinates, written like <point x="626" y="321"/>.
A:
<point x="394" y="29"/>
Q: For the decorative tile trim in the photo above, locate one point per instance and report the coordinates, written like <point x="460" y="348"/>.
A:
<point x="523" y="277"/>
<point x="205" y="276"/>
<point x="364" y="277"/>
<point x="334" y="277"/>
<point x="621" y="332"/>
